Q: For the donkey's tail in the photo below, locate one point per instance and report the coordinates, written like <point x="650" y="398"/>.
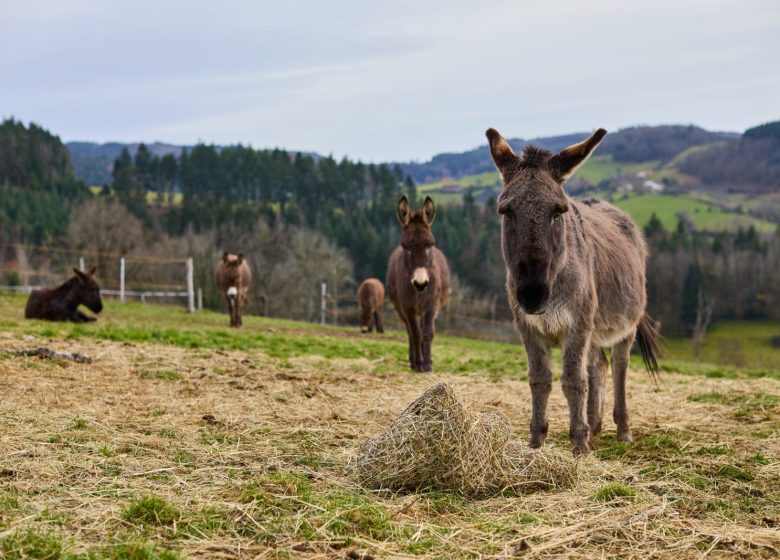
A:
<point x="649" y="339"/>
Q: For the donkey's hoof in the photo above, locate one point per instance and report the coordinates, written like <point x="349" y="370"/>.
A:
<point x="582" y="448"/>
<point x="625" y="436"/>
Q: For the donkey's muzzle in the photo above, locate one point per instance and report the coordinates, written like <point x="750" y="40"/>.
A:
<point x="533" y="297"/>
<point x="420" y="278"/>
<point x="420" y="286"/>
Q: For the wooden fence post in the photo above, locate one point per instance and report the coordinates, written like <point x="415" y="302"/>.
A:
<point x="190" y="287"/>
<point x="122" y="279"/>
<point x="323" y="302"/>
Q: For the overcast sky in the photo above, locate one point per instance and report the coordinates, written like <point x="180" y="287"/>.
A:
<point x="379" y="81"/>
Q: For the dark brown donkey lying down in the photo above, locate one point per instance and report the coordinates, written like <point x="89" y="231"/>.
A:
<point x="61" y="303"/>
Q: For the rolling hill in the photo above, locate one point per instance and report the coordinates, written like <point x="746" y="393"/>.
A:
<point x="715" y="180"/>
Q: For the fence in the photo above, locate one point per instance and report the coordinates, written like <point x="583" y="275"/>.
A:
<point x="28" y="267"/>
<point x="151" y="278"/>
<point x="343" y="310"/>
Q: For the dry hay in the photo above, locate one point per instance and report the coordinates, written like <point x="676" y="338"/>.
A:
<point x="438" y="443"/>
<point x="79" y="443"/>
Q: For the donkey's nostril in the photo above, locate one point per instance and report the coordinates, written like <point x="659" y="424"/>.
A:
<point x="533" y="296"/>
<point x="420" y="285"/>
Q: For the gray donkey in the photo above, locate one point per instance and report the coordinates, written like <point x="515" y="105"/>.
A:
<point x="575" y="278"/>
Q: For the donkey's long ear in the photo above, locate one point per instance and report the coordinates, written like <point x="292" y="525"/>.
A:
<point x="404" y="214"/>
<point x="428" y="211"/>
<point x="505" y="159"/>
<point x="240" y="258"/>
<point x="225" y="257"/>
<point x="79" y="274"/>
<point x="92" y="271"/>
<point x="568" y="161"/>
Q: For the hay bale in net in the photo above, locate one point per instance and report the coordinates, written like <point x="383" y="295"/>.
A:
<point x="437" y="443"/>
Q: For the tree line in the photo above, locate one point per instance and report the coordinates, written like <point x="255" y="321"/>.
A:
<point x="294" y="212"/>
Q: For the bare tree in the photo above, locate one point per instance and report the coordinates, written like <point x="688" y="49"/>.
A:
<point x="104" y="227"/>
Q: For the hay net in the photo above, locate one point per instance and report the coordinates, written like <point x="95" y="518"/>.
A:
<point x="437" y="443"/>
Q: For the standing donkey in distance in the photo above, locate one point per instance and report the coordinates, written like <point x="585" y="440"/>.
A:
<point x="418" y="280"/>
<point x="61" y="303"/>
<point x="575" y="277"/>
<point x="234" y="279"/>
<point x="371" y="300"/>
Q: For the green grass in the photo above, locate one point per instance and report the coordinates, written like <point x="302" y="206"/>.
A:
<point x="703" y="215"/>
<point x="602" y="167"/>
<point x="278" y="338"/>
<point x="32" y="544"/>
<point x="151" y="510"/>
<point x="731" y="348"/>
<point x="614" y="492"/>
<point x="478" y="181"/>
<point x="739" y="344"/>
<point x="163" y="374"/>
<point x="35" y="544"/>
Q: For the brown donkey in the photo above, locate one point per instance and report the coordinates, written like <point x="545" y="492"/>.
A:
<point x="234" y="279"/>
<point x="61" y="303"/>
<point x="575" y="278"/>
<point x="418" y="280"/>
<point x="371" y="300"/>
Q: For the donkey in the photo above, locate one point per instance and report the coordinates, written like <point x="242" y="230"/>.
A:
<point x="418" y="280"/>
<point x="371" y="299"/>
<point x="61" y="303"/>
<point x="234" y="279"/>
<point x="575" y="277"/>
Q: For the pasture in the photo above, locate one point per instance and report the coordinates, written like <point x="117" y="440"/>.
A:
<point x="186" y="438"/>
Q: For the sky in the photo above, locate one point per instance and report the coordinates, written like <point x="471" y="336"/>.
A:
<point x="384" y="80"/>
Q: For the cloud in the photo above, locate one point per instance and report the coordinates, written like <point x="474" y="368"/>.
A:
<point x="380" y="81"/>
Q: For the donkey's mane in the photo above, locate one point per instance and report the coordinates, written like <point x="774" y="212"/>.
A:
<point x="534" y="157"/>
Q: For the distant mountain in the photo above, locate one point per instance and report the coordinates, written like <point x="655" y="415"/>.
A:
<point x="629" y="145"/>
<point x="477" y="160"/>
<point x="750" y="164"/>
<point x="92" y="161"/>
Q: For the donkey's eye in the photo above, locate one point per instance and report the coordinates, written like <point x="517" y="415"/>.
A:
<point x="555" y="217"/>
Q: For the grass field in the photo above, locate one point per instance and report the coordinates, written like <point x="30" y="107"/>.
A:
<point x="185" y="438"/>
<point x="740" y="343"/>
<point x="704" y="216"/>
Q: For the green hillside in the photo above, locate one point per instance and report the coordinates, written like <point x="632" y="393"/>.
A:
<point x="706" y="212"/>
<point x="704" y="216"/>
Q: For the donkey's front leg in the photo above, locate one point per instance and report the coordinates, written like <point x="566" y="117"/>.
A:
<point x="575" y="388"/>
<point x="413" y="332"/>
<point x="427" y="340"/>
<point x="416" y="337"/>
<point x="540" y="380"/>
<point x="77" y="316"/>
<point x="86" y="318"/>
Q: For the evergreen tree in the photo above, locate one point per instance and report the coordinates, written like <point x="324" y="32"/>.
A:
<point x="693" y="297"/>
